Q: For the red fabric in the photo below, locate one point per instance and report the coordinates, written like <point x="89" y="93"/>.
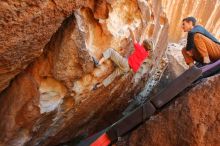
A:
<point x="103" y="140"/>
<point x="137" y="57"/>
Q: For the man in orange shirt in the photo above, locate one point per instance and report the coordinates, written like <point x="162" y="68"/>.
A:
<point x="124" y="65"/>
<point x="202" y="46"/>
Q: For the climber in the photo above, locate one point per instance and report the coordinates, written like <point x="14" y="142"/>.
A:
<point x="201" y="46"/>
<point x="124" y="65"/>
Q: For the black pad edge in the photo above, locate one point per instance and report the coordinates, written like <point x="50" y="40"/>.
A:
<point x="176" y="86"/>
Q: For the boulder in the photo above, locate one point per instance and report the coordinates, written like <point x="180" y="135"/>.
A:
<point x="46" y="68"/>
<point x="50" y="99"/>
<point x="192" y="119"/>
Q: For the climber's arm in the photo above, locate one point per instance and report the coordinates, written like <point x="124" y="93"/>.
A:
<point x="102" y="60"/>
<point x="132" y="36"/>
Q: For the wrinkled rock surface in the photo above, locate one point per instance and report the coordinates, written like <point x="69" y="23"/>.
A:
<point x="192" y="119"/>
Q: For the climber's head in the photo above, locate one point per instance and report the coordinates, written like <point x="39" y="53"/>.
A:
<point x="148" y="45"/>
<point x="188" y="23"/>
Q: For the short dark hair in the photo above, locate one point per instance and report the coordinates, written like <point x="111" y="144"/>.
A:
<point x="192" y="19"/>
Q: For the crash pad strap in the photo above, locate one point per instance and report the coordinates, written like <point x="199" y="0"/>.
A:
<point x="88" y="141"/>
<point x="103" y="140"/>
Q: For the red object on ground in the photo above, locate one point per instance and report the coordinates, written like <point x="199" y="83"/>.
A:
<point x="103" y="140"/>
<point x="137" y="57"/>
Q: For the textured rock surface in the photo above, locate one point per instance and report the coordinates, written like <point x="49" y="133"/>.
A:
<point x="50" y="100"/>
<point x="176" y="62"/>
<point x="192" y="119"/>
<point x="46" y="69"/>
<point x="26" y="26"/>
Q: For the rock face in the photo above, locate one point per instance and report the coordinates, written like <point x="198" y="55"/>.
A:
<point x="46" y="55"/>
<point x="175" y="58"/>
<point x="26" y="26"/>
<point x="46" y="66"/>
<point x="193" y="119"/>
<point x="206" y="11"/>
